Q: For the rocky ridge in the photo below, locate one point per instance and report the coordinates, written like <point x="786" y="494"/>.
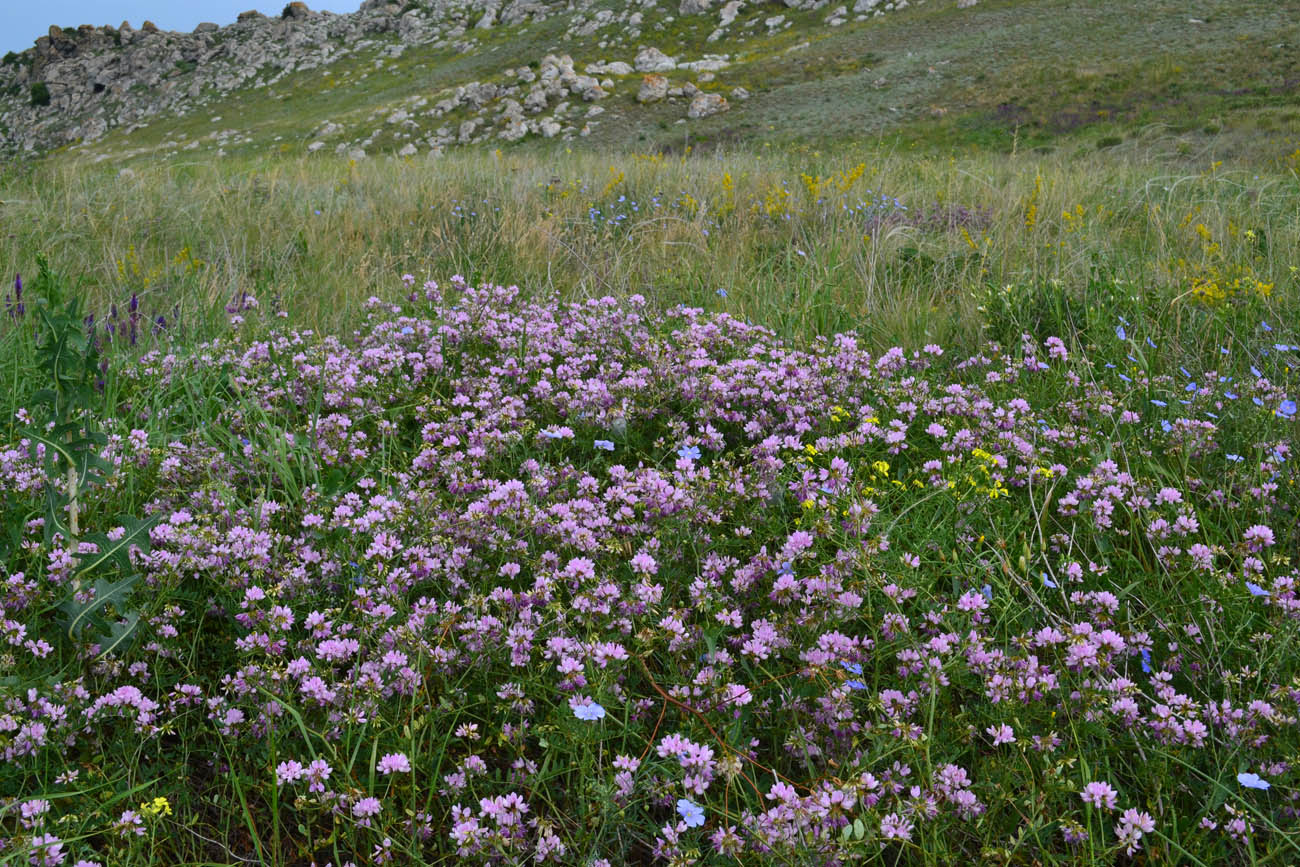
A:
<point x="74" y="86"/>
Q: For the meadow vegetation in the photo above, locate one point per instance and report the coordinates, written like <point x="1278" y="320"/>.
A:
<point x="783" y="505"/>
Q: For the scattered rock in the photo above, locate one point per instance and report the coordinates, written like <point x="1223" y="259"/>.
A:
<point x="739" y="93"/>
<point x="706" y="104"/>
<point x="296" y="10"/>
<point x="653" y="60"/>
<point x="653" y="88"/>
<point x="694" y="7"/>
<point x="618" y="67"/>
<point x="408" y="150"/>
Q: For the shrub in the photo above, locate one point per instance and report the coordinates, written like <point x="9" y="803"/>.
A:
<point x="40" y="93"/>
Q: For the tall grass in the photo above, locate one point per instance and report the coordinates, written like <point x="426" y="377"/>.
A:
<point x="892" y="244"/>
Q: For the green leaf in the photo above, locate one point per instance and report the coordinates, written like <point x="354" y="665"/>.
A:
<point x="119" y="636"/>
<point x="81" y="614"/>
<point x="137" y="533"/>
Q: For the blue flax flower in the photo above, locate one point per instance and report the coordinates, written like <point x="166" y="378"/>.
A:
<point x="589" y="712"/>
<point x="691" y="812"/>
<point x="1253" y="781"/>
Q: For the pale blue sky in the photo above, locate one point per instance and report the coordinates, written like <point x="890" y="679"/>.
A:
<point x="21" y="21"/>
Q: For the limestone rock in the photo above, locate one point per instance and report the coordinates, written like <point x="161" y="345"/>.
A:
<point x="617" y="67"/>
<point x="653" y="88"/>
<point x="653" y="60"/>
<point x="706" y="104"/>
<point x="694" y="7"/>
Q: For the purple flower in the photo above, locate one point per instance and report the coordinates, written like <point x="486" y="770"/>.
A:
<point x="1001" y="734"/>
<point x="1259" y="536"/>
<point x="395" y="763"/>
<point x="895" y="827"/>
<point x="366" y="807"/>
<point x="288" y="772"/>
<point x="1100" y="795"/>
<point x="605" y="445"/>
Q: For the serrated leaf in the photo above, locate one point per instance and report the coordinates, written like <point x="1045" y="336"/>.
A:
<point x="137" y="533"/>
<point x="81" y="614"/>
<point x="119" y="636"/>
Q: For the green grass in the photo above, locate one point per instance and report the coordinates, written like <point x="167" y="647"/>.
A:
<point x="196" y="234"/>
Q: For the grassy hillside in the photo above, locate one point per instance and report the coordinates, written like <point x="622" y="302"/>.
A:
<point x="1006" y="74"/>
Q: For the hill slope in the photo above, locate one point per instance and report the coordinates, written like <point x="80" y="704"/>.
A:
<point x="424" y="77"/>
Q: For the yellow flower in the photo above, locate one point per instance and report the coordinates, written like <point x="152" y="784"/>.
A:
<point x="881" y="467"/>
<point x="156" y="807"/>
<point x="809" y="503"/>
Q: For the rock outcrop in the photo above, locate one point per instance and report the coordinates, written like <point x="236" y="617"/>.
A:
<point x="75" y="85"/>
